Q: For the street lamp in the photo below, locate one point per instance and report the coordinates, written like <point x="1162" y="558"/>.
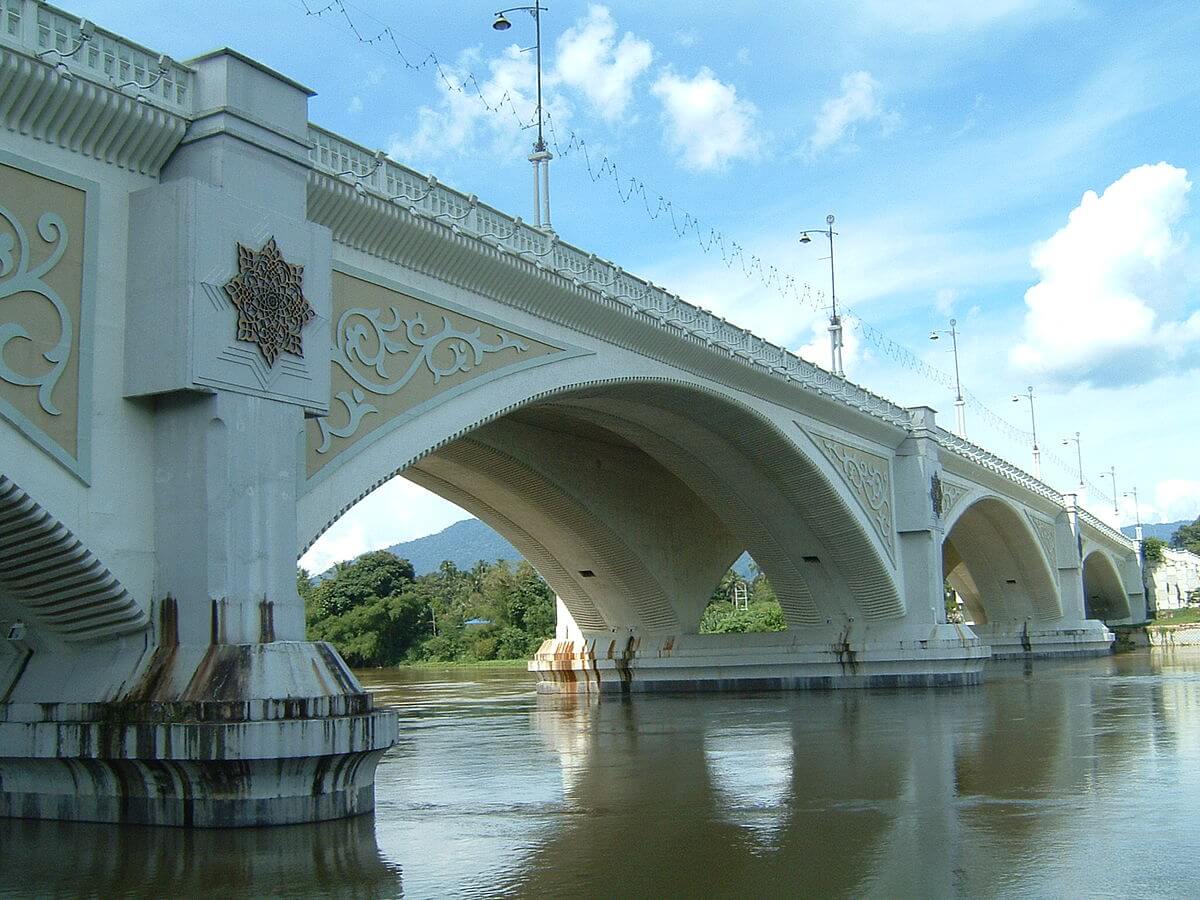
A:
<point x="835" y="322"/>
<point x="541" y="155"/>
<point x="1137" y="514"/>
<point x="1078" y="458"/>
<point x="960" y="406"/>
<point x="1037" y="453"/>
<point x="1111" y="472"/>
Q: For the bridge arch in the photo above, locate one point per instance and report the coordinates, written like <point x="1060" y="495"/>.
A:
<point x="582" y="477"/>
<point x="1104" y="594"/>
<point x="993" y="559"/>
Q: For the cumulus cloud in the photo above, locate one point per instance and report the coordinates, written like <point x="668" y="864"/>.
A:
<point x="592" y="60"/>
<point x="460" y="123"/>
<point x="706" y="123"/>
<point x="817" y="350"/>
<point x="1101" y="312"/>
<point x="858" y="102"/>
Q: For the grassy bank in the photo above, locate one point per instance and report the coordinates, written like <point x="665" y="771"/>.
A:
<point x="1186" y="616"/>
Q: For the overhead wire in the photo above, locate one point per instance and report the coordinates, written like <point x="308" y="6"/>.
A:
<point x="656" y="205"/>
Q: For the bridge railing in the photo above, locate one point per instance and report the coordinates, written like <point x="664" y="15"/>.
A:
<point x="990" y="461"/>
<point x="49" y="33"/>
<point x="1105" y="529"/>
<point x="422" y="196"/>
<point x="993" y="463"/>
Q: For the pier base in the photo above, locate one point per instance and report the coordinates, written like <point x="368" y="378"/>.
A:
<point x="1030" y="639"/>
<point x="288" y="736"/>
<point x="925" y="656"/>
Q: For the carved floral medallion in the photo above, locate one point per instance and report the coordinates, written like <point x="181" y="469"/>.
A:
<point x="272" y="311"/>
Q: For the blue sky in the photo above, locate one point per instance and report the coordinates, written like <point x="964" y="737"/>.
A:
<point x="1025" y="166"/>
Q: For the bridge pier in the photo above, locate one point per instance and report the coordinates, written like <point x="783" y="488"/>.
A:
<point x="216" y="712"/>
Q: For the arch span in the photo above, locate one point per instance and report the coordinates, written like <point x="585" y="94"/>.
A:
<point x="633" y="496"/>
<point x="1104" y="595"/>
<point x="992" y="558"/>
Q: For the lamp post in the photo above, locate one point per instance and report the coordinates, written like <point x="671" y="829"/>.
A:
<point x="960" y="406"/>
<point x="1137" y="514"/>
<point x="1111" y="472"/>
<point x="835" y="322"/>
<point x="541" y="155"/>
<point x="1078" y="459"/>
<point x="1037" y="453"/>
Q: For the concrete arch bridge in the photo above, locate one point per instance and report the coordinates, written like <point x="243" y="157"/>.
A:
<point x="221" y="326"/>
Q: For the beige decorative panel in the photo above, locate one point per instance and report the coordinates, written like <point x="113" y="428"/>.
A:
<point x="44" y="280"/>
<point x="1045" y="532"/>
<point x="869" y="478"/>
<point x="395" y="355"/>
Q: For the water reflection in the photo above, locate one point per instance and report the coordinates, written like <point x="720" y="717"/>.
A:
<point x="340" y="859"/>
<point x="1052" y="779"/>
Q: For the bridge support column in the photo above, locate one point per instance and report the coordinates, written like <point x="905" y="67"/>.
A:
<point x="220" y="713"/>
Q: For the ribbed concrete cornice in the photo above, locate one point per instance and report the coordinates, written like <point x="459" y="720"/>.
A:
<point x="37" y="100"/>
<point x="627" y="313"/>
<point x="48" y="571"/>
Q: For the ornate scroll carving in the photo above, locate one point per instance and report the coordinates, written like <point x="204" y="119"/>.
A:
<point x="18" y="277"/>
<point x="935" y="494"/>
<point x="365" y="345"/>
<point x="951" y="494"/>
<point x="868" y="477"/>
<point x="272" y="311"/>
<point x="1045" y="533"/>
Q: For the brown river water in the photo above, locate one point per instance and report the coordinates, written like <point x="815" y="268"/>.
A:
<point x="1052" y="779"/>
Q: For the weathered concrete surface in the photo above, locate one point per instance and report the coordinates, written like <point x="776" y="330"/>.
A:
<point x="930" y="656"/>
<point x="212" y="735"/>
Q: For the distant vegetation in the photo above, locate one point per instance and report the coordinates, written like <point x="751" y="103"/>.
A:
<point x="1152" y="549"/>
<point x="762" y="612"/>
<point x="1187" y="537"/>
<point x="378" y="612"/>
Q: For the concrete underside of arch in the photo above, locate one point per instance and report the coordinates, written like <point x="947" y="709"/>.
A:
<point x="632" y="507"/>
<point x="1017" y="604"/>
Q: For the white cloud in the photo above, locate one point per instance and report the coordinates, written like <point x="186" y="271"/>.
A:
<point x="686" y="38"/>
<point x="395" y="512"/>
<point x="460" y="123"/>
<point x="944" y="300"/>
<point x="743" y="55"/>
<point x="356" y="105"/>
<point x="818" y="350"/>
<point x="592" y="60"/>
<point x="1107" y="278"/>
<point x="858" y="102"/>
<point x="706" y="123"/>
<point x="1174" y="499"/>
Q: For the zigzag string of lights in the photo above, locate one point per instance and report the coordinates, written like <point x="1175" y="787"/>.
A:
<point x="386" y="39"/>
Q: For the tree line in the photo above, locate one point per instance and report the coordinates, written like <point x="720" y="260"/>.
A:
<point x="1185" y="537"/>
<point x="377" y="612"/>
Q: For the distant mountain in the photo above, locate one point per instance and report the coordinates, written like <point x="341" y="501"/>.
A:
<point x="465" y="543"/>
<point x="1162" y="530"/>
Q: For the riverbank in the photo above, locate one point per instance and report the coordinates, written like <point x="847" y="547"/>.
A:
<point x="1134" y="637"/>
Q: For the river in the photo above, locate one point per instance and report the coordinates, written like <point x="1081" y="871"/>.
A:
<point x="1052" y="779"/>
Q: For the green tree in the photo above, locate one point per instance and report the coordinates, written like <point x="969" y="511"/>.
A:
<point x="1187" y="537"/>
<point x="1152" y="549"/>
<point x="763" y="612"/>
